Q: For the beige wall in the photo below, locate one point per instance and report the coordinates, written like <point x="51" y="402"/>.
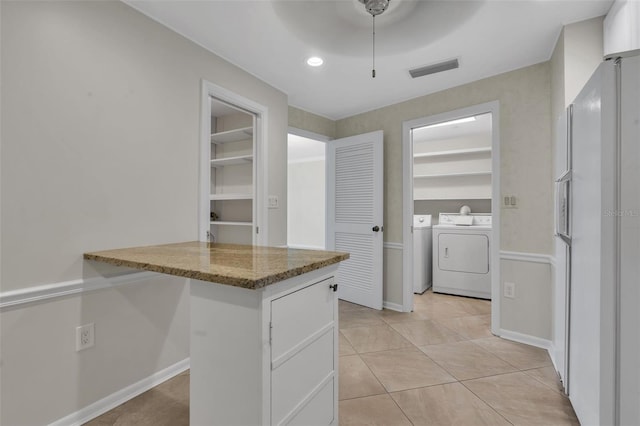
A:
<point x="305" y="120"/>
<point x="525" y="140"/>
<point x="101" y="129"/>
<point x="525" y="137"/>
<point x="525" y="149"/>
<point x="100" y="143"/>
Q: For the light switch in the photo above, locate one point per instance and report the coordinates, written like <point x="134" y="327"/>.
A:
<point x="273" y="202"/>
<point x="509" y="202"/>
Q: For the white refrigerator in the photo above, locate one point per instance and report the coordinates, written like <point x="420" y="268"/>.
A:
<point x="598" y="229"/>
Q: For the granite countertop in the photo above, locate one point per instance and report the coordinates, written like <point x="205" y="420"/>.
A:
<point x="247" y="266"/>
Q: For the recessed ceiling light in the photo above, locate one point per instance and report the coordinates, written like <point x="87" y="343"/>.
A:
<point x="315" y="61"/>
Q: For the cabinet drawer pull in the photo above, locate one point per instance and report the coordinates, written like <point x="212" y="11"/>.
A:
<point x="334" y="287"/>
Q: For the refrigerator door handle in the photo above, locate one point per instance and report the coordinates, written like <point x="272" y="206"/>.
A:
<point x="563" y="206"/>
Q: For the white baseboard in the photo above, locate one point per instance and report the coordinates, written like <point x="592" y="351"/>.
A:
<point x="392" y="306"/>
<point x="110" y="402"/>
<point x="526" y="339"/>
<point x="33" y="294"/>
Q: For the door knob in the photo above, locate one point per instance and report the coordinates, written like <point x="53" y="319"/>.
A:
<point x="376" y="228"/>
<point x="334" y="287"/>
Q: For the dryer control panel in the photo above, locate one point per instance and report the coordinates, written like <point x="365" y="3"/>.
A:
<point x="452" y="219"/>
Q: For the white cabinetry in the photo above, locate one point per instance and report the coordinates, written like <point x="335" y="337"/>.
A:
<point x="266" y="356"/>
<point x="232" y="172"/>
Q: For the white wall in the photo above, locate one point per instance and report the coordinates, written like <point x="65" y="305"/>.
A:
<point x="583" y="52"/>
<point x="622" y="27"/>
<point x="100" y="144"/>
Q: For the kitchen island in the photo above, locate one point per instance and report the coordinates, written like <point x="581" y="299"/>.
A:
<point x="264" y="335"/>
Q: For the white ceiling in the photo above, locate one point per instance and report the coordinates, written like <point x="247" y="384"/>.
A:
<point x="272" y="39"/>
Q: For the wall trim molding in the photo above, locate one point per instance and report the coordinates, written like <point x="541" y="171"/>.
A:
<point x="393" y="246"/>
<point x="14" y="298"/>
<point x="392" y="306"/>
<point x="109" y="402"/>
<point x="526" y="257"/>
<point x="527" y="339"/>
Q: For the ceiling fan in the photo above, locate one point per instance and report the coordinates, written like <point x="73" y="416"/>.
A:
<point x="375" y="7"/>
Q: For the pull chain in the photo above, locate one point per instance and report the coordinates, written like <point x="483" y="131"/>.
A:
<point x="373" y="67"/>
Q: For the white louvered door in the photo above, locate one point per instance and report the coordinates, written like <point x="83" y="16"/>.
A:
<point x="355" y="214"/>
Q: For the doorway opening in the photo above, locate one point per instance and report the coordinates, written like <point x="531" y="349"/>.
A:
<point x="306" y="190"/>
<point x="451" y="185"/>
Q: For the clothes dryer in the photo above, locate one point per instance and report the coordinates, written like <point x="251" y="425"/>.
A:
<point x="462" y="255"/>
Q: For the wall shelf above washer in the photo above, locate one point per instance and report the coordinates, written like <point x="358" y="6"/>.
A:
<point x="225" y="197"/>
<point x="452" y="175"/>
<point x="453" y="152"/>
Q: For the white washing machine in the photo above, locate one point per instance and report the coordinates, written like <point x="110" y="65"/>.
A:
<point x="422" y="256"/>
<point x="462" y="255"/>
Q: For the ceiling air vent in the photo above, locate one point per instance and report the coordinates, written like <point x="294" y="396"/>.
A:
<point x="435" y="68"/>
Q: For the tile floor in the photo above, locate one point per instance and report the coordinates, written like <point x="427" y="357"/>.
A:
<point x="438" y="365"/>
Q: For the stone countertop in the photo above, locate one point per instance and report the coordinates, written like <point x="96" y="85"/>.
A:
<point x="247" y="266"/>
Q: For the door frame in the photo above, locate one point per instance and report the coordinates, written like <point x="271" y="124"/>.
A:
<point x="407" y="201"/>
<point x="261" y="114"/>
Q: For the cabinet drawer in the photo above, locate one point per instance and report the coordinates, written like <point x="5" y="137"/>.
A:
<point x="319" y="411"/>
<point x="297" y="384"/>
<point x="297" y="316"/>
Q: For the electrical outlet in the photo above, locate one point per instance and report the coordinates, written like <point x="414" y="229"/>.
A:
<point x="510" y="290"/>
<point x="273" y="202"/>
<point x="85" y="336"/>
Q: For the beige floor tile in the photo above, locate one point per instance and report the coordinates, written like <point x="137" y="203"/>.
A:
<point x="523" y="400"/>
<point x="378" y="410"/>
<point x="166" y="404"/>
<point x="466" y="360"/>
<point x="375" y="338"/>
<point x="359" y="318"/>
<point x="344" y="306"/>
<point x="344" y="347"/>
<point x="469" y="327"/>
<point x="448" y="404"/>
<point x="391" y="317"/>
<point x="405" y="369"/>
<point x="441" y="309"/>
<point x="422" y="333"/>
<point x="523" y="357"/>
<point x="475" y="306"/>
<point x="547" y="376"/>
<point x="356" y="380"/>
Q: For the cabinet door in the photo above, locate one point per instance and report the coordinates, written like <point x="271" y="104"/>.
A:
<point x="303" y="356"/>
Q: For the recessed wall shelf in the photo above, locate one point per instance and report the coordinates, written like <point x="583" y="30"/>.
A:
<point x="228" y="223"/>
<point x="234" y="135"/>
<point x="454" y="152"/>
<point x="232" y="161"/>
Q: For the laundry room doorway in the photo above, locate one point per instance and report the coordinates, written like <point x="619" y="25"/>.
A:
<point x="451" y="205"/>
